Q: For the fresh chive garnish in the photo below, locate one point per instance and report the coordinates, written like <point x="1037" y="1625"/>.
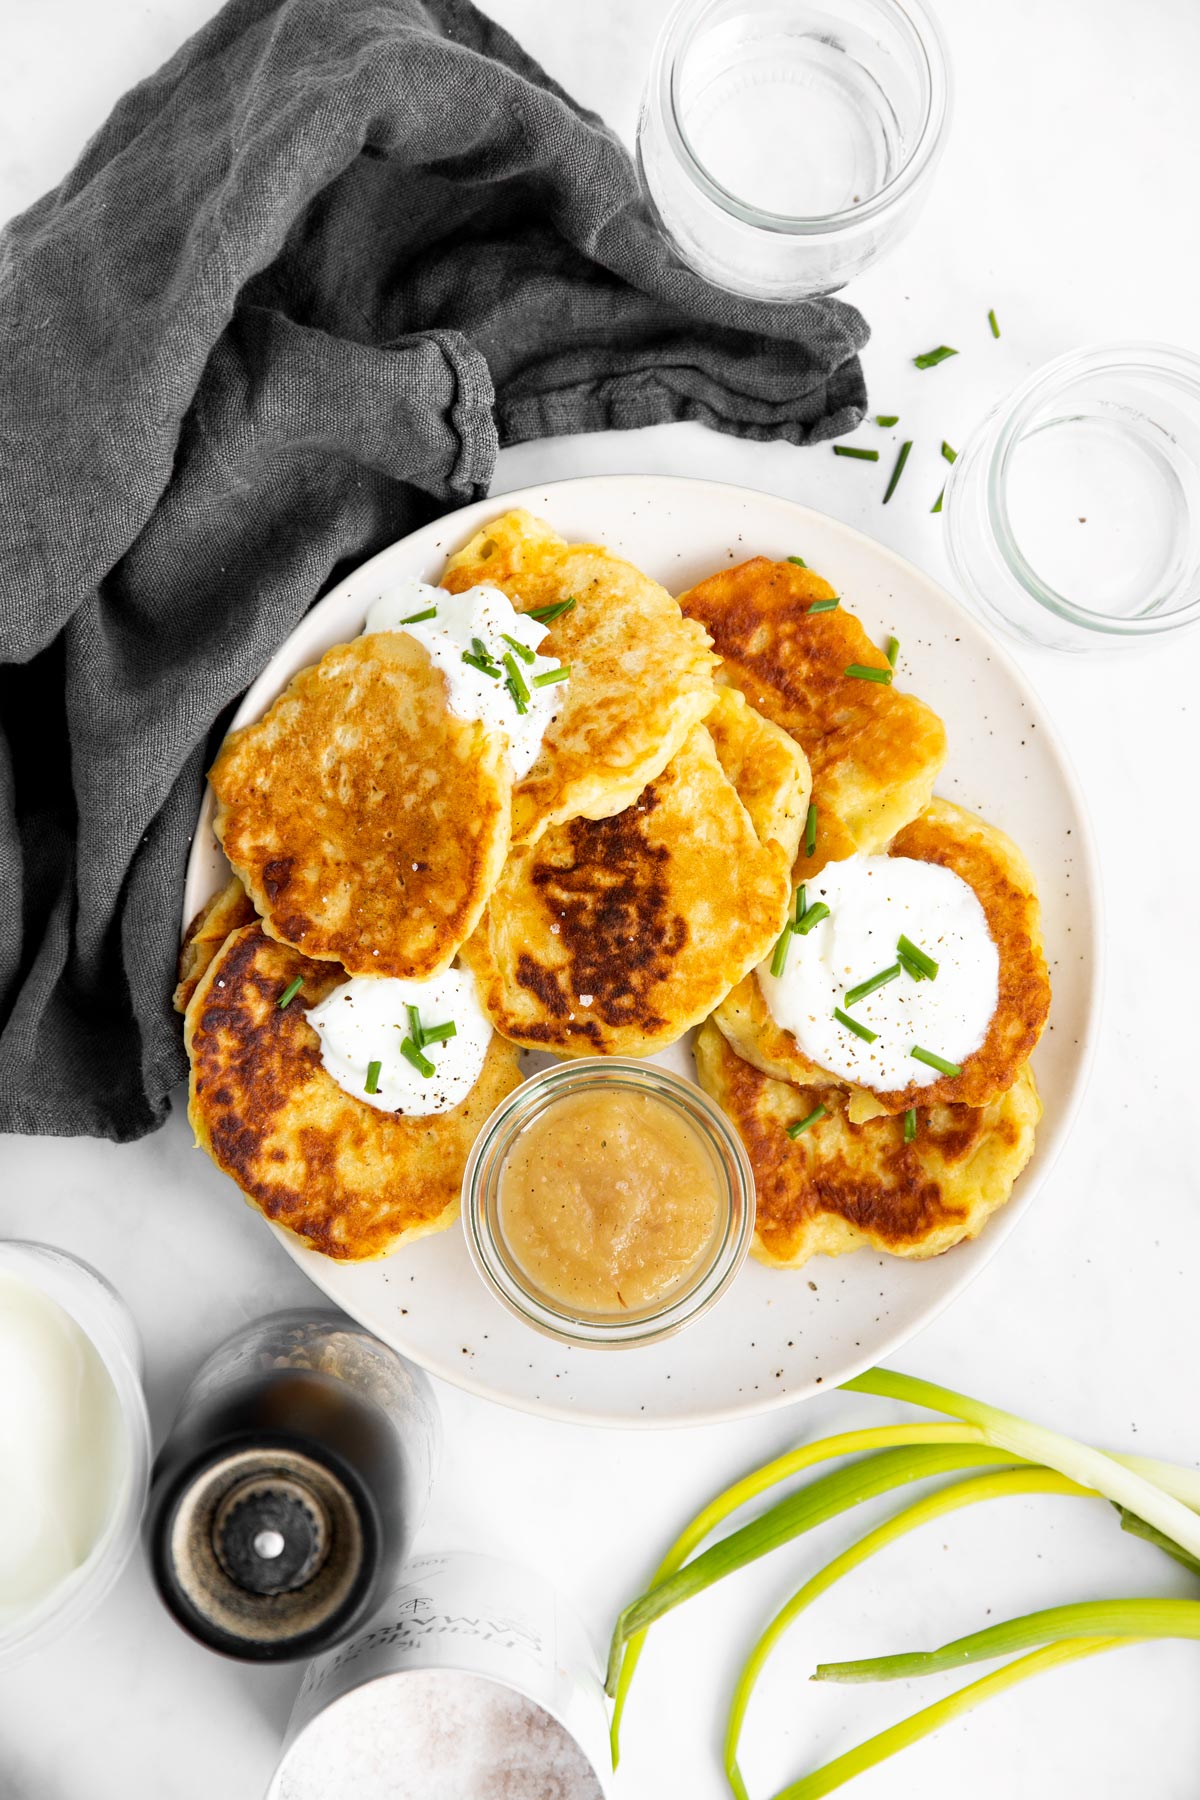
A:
<point x="483" y="653"/>
<point x="810" y="831"/>
<point x="861" y="672"/>
<point x="932" y="1061"/>
<point x="929" y="359"/>
<point x="860" y="1031"/>
<point x="549" y="675"/>
<point x="909" y="966"/>
<point x="373" y="1069"/>
<point x="801" y="906"/>
<point x="416" y="1031"/>
<point x="485" y="668"/>
<point x="290" y="991"/>
<point x="924" y="962"/>
<point x="523" y="651"/>
<point x="824" y="606"/>
<point x="516" y="681"/>
<point x="546" y="615"/>
<point x="949" y="452"/>
<point x="993" y="324"/>
<point x="799" y="561"/>
<point x="415" y="618"/>
<point x="779" y="960"/>
<point x="898" y="471"/>
<point x="438" y="1034"/>
<point x="910" y="1124"/>
<point x="853" y="450"/>
<point x="421" y="1063"/>
<point x="522" y="706"/>
<point x="937" y="505"/>
<point x="855" y="994"/>
<point x="893" y="650"/>
<point x="887" y="420"/>
<point x="812" y="916"/>
<point x="799" y="1125"/>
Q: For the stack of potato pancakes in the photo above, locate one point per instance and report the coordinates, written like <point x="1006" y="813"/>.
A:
<point x="621" y="893"/>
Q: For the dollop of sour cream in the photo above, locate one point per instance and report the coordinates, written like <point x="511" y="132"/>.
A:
<point x="485" y="614"/>
<point x="366" y="1020"/>
<point x="872" y="900"/>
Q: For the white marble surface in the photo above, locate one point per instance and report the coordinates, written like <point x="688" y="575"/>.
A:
<point x="1067" y="202"/>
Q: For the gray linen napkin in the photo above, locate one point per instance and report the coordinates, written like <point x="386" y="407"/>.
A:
<point x="294" y="294"/>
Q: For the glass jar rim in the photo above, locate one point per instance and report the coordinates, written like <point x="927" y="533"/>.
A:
<point x="1017" y="411"/>
<point x="676" y="37"/>
<point x="593" y="1330"/>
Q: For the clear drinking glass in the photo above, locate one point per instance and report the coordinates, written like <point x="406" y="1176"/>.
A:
<point x="785" y="144"/>
<point x="1073" y="513"/>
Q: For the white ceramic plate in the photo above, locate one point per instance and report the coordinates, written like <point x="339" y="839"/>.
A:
<point x="779" y="1335"/>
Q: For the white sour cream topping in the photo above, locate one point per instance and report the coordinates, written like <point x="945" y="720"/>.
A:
<point x="872" y="900"/>
<point x="366" y="1020"/>
<point x="484" y="613"/>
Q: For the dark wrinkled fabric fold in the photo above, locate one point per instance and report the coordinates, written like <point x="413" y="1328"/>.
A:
<point x="290" y="301"/>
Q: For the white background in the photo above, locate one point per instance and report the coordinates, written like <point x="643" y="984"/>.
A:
<point x="1067" y="200"/>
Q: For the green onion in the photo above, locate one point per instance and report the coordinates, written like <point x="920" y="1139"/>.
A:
<point x="516" y="679"/>
<point x="910" y="1124"/>
<point x="910" y="967"/>
<point x="477" y="662"/>
<point x="887" y="419"/>
<point x="438" y="1034"/>
<point x="483" y="653"/>
<point x="779" y="960"/>
<point x="810" y="830"/>
<point x="799" y="561"/>
<point x="549" y="675"/>
<point x="546" y="615"/>
<point x="933" y="1061"/>
<point x="893" y="650"/>
<point x="415" y="618"/>
<point x="373" y="1069"/>
<point x="414" y="1026"/>
<point x="898" y="471"/>
<point x="421" y="1063"/>
<point x="819" y="606"/>
<point x="929" y="359"/>
<point x="853" y="450"/>
<point x="290" y="991"/>
<point x="923" y="960"/>
<point x="523" y="651"/>
<point x="860" y="1031"/>
<point x="993" y="324"/>
<point x="801" y="906"/>
<point x="950" y="455"/>
<point x="864" y="988"/>
<point x="794" y="1130"/>
<point x="861" y="672"/>
<point x="937" y="505"/>
<point x="812" y="916"/>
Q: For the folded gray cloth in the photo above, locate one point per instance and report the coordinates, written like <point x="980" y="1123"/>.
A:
<point x="295" y="293"/>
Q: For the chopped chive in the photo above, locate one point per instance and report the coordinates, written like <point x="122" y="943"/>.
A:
<point x="929" y="359"/>
<point x="523" y="651"/>
<point x="860" y="672"/>
<point x="779" y="960"/>
<point x="823" y="606"/>
<point x="801" y="906"/>
<point x="932" y="1061"/>
<point x="421" y="1063"/>
<point x="415" y="618"/>
<point x="522" y="706"/>
<point x="812" y="916"/>
<point x="855" y="994"/>
<point x="898" y="471"/>
<point x="549" y="675"/>
<point x="546" y="615"/>
<point x="373" y="1069"/>
<point x="924" y="962"/>
<point x="853" y="450"/>
<point x="482" y="652"/>
<point x="477" y="662"/>
<point x="799" y="1125"/>
<point x="799" y="561"/>
<point x="949" y="452"/>
<point x="993" y="324"/>
<point x="810" y="831"/>
<point x="910" y="1124"/>
<point x="290" y="991"/>
<point x="860" y="1031"/>
<point x="438" y="1034"/>
<point x="414" y="1026"/>
<point x="937" y="505"/>
<point x="887" y="419"/>
<point x="909" y="966"/>
<point x="515" y="677"/>
<point x="893" y="650"/>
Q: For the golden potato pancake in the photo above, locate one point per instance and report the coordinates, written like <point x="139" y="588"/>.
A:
<point x="840" y="1187"/>
<point x="766" y="766"/>
<point x="351" y="1181"/>
<point x="875" y="752"/>
<point x="368" y="824"/>
<point x="992" y="866"/>
<point x="641" y="674"/>
<point x="228" y="908"/>
<point x="612" y="936"/>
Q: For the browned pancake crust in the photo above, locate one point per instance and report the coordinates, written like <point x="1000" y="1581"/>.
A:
<point x="367" y="822"/>
<point x="841" y="1187"/>
<point x="875" y="752"/>
<point x="228" y="908"/>
<point x="351" y="1181"/>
